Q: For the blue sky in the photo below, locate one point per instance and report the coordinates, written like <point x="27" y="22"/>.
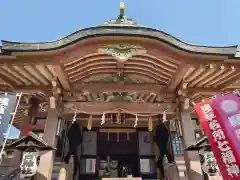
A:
<point x="203" y="22"/>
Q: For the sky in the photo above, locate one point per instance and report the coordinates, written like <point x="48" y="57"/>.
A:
<point x="201" y="22"/>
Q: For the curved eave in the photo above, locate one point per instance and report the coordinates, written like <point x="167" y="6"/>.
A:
<point x="119" y="31"/>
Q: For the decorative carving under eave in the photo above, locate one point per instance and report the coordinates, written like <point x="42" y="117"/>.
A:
<point x="123" y="51"/>
<point x="122" y="97"/>
<point x="43" y="107"/>
<point x="26" y="112"/>
<point x="97" y="108"/>
<point x="123" y="79"/>
<point x="38" y="95"/>
<point x="182" y="89"/>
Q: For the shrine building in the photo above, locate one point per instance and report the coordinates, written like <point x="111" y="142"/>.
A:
<point x="117" y="80"/>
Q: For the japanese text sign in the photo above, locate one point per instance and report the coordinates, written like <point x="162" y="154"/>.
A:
<point x="29" y="164"/>
<point x="219" y="141"/>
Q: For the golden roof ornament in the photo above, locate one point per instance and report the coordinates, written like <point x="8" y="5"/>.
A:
<point x="123" y="51"/>
<point x="121" y="20"/>
<point x="122" y="6"/>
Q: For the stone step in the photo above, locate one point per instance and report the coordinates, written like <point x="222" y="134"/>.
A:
<point x="58" y="163"/>
<point x="56" y="169"/>
<point x="54" y="176"/>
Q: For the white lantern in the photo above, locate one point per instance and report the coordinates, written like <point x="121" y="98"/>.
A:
<point x="208" y="162"/>
<point x="29" y="164"/>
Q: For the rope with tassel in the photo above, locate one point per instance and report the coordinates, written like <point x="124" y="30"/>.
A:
<point x="119" y="109"/>
<point x="89" y="125"/>
<point x="74" y="117"/>
<point x="103" y="119"/>
<point x="150" y="124"/>
<point x="136" y="121"/>
<point x="164" y="116"/>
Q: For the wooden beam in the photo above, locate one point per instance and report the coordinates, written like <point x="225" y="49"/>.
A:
<point x="203" y="90"/>
<point x="232" y="81"/>
<point x="178" y="76"/>
<point x="29" y="59"/>
<point x="6" y="79"/>
<point x="104" y="87"/>
<point x="62" y="77"/>
<point x="101" y="87"/>
<point x="32" y="89"/>
<point x="128" y="124"/>
<point x="99" y="108"/>
<point x="210" y="91"/>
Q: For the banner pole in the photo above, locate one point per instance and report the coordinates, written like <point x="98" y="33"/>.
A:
<point x="11" y="122"/>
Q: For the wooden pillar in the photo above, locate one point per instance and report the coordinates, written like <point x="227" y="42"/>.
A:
<point x="47" y="158"/>
<point x="30" y="115"/>
<point x="194" y="170"/>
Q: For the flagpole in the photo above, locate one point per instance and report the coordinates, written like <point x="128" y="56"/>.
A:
<point x="11" y="122"/>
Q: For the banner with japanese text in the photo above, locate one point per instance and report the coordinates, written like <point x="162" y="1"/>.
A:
<point x="8" y="102"/>
<point x="220" y="145"/>
<point x="227" y="108"/>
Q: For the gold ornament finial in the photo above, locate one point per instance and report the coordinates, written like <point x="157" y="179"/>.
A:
<point x="122" y="7"/>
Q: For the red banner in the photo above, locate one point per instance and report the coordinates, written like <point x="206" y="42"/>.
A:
<point x="228" y="111"/>
<point x="219" y="141"/>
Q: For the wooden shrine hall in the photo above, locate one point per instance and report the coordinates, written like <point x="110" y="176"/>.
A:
<point x="119" y="70"/>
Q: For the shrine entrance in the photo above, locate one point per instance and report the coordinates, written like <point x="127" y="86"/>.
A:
<point x="119" y="147"/>
<point x="110" y="149"/>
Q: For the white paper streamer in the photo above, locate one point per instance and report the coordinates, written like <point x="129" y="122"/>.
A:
<point x="103" y="119"/>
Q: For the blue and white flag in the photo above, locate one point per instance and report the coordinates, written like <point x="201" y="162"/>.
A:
<point x="8" y="102"/>
<point x="14" y="133"/>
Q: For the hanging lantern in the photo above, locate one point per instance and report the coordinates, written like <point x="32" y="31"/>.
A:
<point x="103" y="119"/>
<point x="89" y="125"/>
<point x="136" y="122"/>
<point x="150" y="126"/>
<point x="208" y="162"/>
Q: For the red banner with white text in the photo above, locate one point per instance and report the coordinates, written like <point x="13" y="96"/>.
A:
<point x="227" y="109"/>
<point x="219" y="142"/>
